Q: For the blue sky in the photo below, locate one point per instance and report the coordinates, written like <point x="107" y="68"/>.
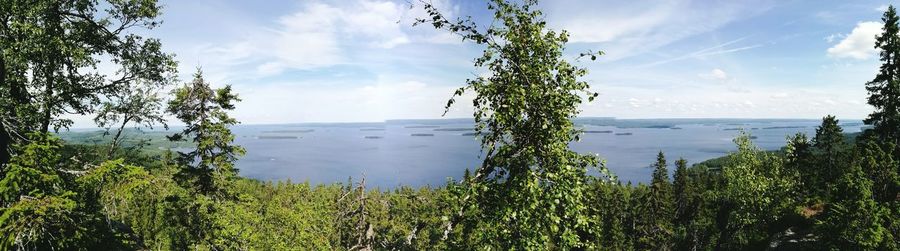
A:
<point x="362" y="60"/>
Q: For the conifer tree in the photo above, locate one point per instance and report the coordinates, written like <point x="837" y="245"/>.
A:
<point x="614" y="211"/>
<point x="681" y="192"/>
<point x="854" y="221"/>
<point x="884" y="90"/>
<point x="879" y="165"/>
<point x="830" y="153"/>
<point x="659" y="231"/>
<point x="210" y="167"/>
<point x="799" y="158"/>
<point x="41" y="206"/>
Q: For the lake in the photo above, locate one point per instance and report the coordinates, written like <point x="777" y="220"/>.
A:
<point x="427" y="152"/>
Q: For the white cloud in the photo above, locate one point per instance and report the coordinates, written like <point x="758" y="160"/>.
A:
<point x="720" y="77"/>
<point x="314" y="36"/>
<point x="322" y="34"/>
<point x="859" y="44"/>
<point x="387" y="97"/>
<point x="706" y="52"/>
<point x="637" y="27"/>
<point x="831" y="38"/>
<point x="882" y="8"/>
<point x="757" y="102"/>
<point x="715" y="74"/>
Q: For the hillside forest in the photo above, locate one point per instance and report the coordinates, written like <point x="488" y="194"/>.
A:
<point x="531" y="191"/>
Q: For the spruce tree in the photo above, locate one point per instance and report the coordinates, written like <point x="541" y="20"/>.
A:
<point x="884" y="90"/>
<point x="854" y="221"/>
<point x="830" y="152"/>
<point x="660" y="207"/>
<point x="681" y="192"/>
<point x="614" y="223"/>
<point x="683" y="211"/>
<point x="880" y="167"/>
<point x="210" y="167"/>
<point x="799" y="158"/>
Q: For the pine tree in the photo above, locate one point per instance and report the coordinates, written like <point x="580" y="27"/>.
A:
<point x="210" y="167"/>
<point x="884" y="90"/>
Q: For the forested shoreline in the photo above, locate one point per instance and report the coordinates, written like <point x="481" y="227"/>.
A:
<point x="531" y="192"/>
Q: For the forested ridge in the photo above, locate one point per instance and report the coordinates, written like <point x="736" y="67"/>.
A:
<point x="531" y="192"/>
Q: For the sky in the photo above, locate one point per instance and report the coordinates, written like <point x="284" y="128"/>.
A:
<point x="363" y="60"/>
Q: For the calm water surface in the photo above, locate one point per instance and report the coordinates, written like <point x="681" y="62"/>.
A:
<point x="418" y="153"/>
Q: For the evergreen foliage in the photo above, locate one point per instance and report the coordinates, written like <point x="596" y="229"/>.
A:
<point x="210" y="167"/>
<point x="884" y="90"/>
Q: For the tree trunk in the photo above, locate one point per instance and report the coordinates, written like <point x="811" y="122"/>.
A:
<point x="4" y="135"/>
<point x="48" y="103"/>
<point x="115" y="140"/>
<point x="5" y="143"/>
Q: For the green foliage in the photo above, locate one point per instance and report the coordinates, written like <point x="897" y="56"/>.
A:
<point x="878" y="162"/>
<point x="758" y="192"/>
<point x="33" y="172"/>
<point x="529" y="191"/>
<point x="131" y="142"/>
<point x="884" y="90"/>
<point x="830" y="153"/>
<point x="799" y="158"/>
<point x="37" y="211"/>
<point x="681" y="188"/>
<point x="141" y="106"/>
<point x="854" y="221"/>
<point x="50" y="52"/>
<point x="45" y="207"/>
<point x="210" y="167"/>
<point x="655" y="226"/>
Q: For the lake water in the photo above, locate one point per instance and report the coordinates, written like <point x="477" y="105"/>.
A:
<point x="426" y="152"/>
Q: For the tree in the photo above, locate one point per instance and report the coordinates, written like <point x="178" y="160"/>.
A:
<point x="657" y="230"/>
<point x="682" y="193"/>
<point x="529" y="189"/>
<point x="140" y="106"/>
<point x="799" y="158"/>
<point x="884" y="90"/>
<point x="50" y="52"/>
<point x="614" y="208"/>
<point x="41" y="209"/>
<point x="878" y="163"/>
<point x="830" y="153"/>
<point x="210" y="167"/>
<point x="757" y="192"/>
<point x="853" y="221"/>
